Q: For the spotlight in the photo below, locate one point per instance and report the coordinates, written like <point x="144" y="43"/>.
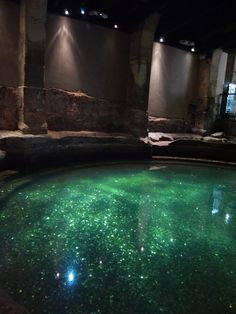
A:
<point x="193" y="49"/>
<point x="116" y="26"/>
<point x="161" y="40"/>
<point x="82" y="11"/>
<point x="66" y="12"/>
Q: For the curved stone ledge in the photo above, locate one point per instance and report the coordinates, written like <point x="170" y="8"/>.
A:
<point x="41" y="151"/>
<point x="197" y="149"/>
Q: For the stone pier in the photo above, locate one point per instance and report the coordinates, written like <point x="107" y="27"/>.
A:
<point x="140" y="60"/>
<point x="33" y="14"/>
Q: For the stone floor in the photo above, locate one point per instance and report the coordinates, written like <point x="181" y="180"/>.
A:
<point x="62" y="134"/>
<point x="164" y="139"/>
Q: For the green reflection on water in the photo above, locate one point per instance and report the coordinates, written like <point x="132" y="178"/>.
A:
<point x="142" y="238"/>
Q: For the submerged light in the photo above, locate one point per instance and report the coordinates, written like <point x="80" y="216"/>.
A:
<point x="70" y="277"/>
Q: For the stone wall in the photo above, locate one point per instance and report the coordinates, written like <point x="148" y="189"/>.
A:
<point x="78" y="111"/>
<point x="9" y="31"/>
<point x="8" y="108"/>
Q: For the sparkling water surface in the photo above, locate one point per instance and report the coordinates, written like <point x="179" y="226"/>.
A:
<point x="127" y="238"/>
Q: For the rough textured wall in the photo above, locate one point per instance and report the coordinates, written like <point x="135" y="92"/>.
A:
<point x="202" y="92"/>
<point x="8" y="108"/>
<point x="9" y="30"/>
<point x="173" y="83"/>
<point x="82" y="56"/>
<point x="77" y="111"/>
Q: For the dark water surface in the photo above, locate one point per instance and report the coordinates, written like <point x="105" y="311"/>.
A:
<point x="128" y="238"/>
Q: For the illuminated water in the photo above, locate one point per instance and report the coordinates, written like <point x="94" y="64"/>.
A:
<point x="131" y="238"/>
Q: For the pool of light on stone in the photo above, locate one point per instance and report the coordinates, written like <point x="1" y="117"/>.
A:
<point x="121" y="238"/>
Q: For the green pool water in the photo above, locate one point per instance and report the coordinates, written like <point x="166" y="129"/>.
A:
<point x="121" y="238"/>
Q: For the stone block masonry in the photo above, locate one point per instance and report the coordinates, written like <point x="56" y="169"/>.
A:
<point x="76" y="111"/>
<point x="8" y="108"/>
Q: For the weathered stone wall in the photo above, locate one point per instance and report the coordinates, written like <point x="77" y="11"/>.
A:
<point x="202" y="93"/>
<point x="8" y="108"/>
<point x="9" y="30"/>
<point x="77" y="111"/>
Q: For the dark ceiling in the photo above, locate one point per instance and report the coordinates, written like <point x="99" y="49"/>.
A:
<point x="210" y="24"/>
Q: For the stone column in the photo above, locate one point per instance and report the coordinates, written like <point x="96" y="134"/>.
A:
<point x="140" y="60"/>
<point x="229" y="78"/>
<point x="202" y="92"/>
<point x="33" y="15"/>
<point x="217" y="77"/>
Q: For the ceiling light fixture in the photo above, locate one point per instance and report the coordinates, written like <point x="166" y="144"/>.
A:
<point x="99" y="14"/>
<point x="187" y="43"/>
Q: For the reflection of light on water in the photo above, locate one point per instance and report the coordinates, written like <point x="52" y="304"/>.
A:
<point x="227" y="218"/>
<point x="217" y="198"/>
<point x="152" y="168"/>
<point x="70" y="277"/>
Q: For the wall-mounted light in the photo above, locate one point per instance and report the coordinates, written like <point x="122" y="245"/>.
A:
<point x="82" y="11"/>
<point x="161" y="40"/>
<point x="66" y="12"/>
<point x="187" y="43"/>
<point x="99" y="14"/>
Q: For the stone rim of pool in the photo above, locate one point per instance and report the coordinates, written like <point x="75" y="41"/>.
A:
<point x="123" y="248"/>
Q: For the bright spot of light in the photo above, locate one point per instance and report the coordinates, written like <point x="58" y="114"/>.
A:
<point x="227" y="218"/>
<point x="193" y="49"/>
<point x="82" y="11"/>
<point x="142" y="249"/>
<point x="116" y="26"/>
<point x="66" y="12"/>
<point x="70" y="277"/>
<point x="161" y="40"/>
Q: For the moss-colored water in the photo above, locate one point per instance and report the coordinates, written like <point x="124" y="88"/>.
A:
<point x="141" y="238"/>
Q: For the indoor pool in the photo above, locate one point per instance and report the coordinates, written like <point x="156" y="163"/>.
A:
<point x="120" y="238"/>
